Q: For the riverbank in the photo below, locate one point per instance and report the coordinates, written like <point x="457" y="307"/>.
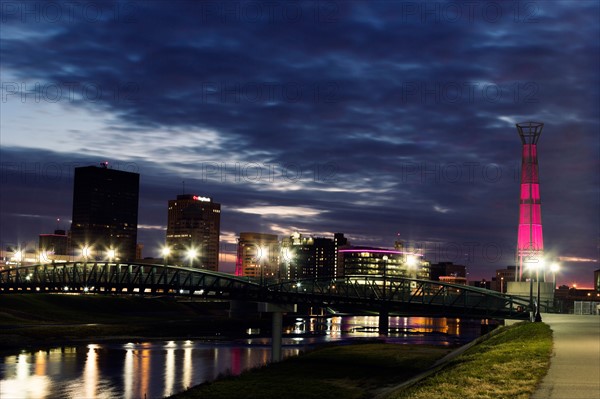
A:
<point x="509" y="364"/>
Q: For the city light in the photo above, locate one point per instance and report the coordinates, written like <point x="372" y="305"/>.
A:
<point x="191" y="254"/>
<point x="86" y="251"/>
<point x="111" y="253"/>
<point x="411" y="260"/>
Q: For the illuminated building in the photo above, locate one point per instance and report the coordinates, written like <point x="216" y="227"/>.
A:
<point x="258" y="256"/>
<point x="530" y="243"/>
<point x="105" y="212"/>
<point x="378" y="261"/>
<point x="54" y="244"/>
<point x="193" y="230"/>
<point x="503" y="277"/>
<point x="310" y="257"/>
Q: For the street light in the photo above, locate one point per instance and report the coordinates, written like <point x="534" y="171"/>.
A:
<point x="554" y="268"/>
<point x="191" y="255"/>
<point x="111" y="253"/>
<point x="165" y="251"/>
<point x="86" y="251"/>
<point x="539" y="265"/>
<point x="18" y="257"/>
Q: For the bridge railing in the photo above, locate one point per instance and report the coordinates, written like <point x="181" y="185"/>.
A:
<point x="400" y="292"/>
<point x="373" y="292"/>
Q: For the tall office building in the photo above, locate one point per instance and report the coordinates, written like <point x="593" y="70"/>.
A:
<point x="105" y="212"/>
<point x="193" y="230"/>
<point x="258" y="256"/>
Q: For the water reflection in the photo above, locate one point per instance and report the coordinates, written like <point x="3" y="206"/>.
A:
<point x="154" y="370"/>
<point x="130" y="371"/>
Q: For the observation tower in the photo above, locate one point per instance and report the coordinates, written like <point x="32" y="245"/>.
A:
<point x="530" y="244"/>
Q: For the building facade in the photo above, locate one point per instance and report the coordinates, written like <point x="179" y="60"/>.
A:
<point x="51" y="245"/>
<point x="193" y="231"/>
<point x="310" y="257"/>
<point x="379" y="261"/>
<point x="258" y="256"/>
<point x="105" y="213"/>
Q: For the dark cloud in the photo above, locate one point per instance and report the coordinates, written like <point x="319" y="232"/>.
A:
<point x="385" y="117"/>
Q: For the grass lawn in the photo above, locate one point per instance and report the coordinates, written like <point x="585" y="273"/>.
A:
<point x="508" y="365"/>
<point x="348" y="371"/>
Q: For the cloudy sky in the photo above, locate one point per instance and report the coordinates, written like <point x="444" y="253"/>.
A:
<point x="376" y="119"/>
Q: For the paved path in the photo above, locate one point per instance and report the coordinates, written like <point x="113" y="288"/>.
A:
<point x="575" y="365"/>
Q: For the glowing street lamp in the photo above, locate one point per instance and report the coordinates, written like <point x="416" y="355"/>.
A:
<point x="165" y="251"/>
<point x="112" y="254"/>
<point x="191" y="254"/>
<point x="261" y="256"/>
<point x="18" y="257"/>
<point x="86" y="251"/>
<point x="536" y="264"/>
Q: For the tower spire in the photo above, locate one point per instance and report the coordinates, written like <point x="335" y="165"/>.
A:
<point x="530" y="243"/>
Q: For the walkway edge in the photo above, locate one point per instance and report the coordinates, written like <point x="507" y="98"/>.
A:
<point x="442" y="363"/>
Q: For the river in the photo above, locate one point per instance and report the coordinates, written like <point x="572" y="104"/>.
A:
<point x="155" y="369"/>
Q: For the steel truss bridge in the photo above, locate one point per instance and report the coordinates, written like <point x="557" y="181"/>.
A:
<point x="394" y="295"/>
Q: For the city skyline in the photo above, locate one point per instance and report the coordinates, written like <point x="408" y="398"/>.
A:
<point x="379" y="121"/>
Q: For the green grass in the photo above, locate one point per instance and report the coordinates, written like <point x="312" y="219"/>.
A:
<point x="508" y="365"/>
<point x="351" y="371"/>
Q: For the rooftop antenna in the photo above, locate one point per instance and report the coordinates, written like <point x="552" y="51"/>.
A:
<point x="183" y="186"/>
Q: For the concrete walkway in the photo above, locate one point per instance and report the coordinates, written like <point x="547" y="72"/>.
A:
<point x="575" y="364"/>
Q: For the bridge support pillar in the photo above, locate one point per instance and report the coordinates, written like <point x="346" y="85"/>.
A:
<point x="277" y="314"/>
<point x="384" y="321"/>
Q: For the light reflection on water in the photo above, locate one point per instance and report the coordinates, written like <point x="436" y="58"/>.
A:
<point x="157" y="369"/>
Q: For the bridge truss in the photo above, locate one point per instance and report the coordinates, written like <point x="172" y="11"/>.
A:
<point x="352" y="293"/>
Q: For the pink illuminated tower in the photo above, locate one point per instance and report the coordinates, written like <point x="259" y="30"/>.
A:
<point x="530" y="245"/>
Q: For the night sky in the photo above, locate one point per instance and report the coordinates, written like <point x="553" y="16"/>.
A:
<point x="381" y="120"/>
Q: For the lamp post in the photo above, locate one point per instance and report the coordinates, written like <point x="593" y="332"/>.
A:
<point x="531" y="308"/>
<point x="554" y="268"/>
<point x="191" y="255"/>
<point x="165" y="251"/>
<point x="112" y="254"/>
<point x="538" y="316"/>
<point x="86" y="251"/>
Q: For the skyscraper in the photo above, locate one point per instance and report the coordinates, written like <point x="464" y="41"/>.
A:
<point x="193" y="230"/>
<point x="530" y="243"/>
<point x="105" y="212"/>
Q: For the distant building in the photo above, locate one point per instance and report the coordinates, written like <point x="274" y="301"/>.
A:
<point x="597" y="280"/>
<point x="193" y="231"/>
<point x="105" y="212"/>
<point x="481" y="284"/>
<point x="258" y="256"/>
<point x="503" y="276"/>
<point x="448" y="270"/>
<point x="380" y="261"/>
<point x="53" y="244"/>
<point x="310" y="257"/>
